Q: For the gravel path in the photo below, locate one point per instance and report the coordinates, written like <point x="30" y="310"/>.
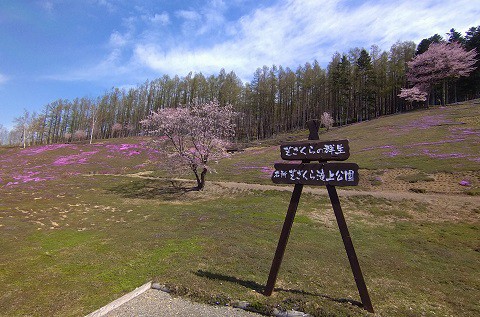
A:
<point x="155" y="303"/>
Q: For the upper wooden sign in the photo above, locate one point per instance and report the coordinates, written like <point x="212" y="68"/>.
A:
<point x="316" y="150"/>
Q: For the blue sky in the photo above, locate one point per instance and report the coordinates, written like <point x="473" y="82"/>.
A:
<point x="51" y="49"/>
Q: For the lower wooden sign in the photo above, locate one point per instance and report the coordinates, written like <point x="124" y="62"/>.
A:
<point x="335" y="174"/>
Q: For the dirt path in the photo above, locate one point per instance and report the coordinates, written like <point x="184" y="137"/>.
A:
<point x="447" y="199"/>
<point x="429" y="207"/>
<point x="392" y="195"/>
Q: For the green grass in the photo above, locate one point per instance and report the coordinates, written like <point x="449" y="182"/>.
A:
<point x="416" y="177"/>
<point x="73" y="240"/>
<point x="218" y="247"/>
<point x="434" y="140"/>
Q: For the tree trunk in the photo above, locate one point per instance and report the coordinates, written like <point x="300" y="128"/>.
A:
<point x="444" y="94"/>
<point x="200" y="178"/>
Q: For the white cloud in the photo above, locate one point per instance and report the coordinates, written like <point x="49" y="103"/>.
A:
<point x="288" y="33"/>
<point x="208" y="18"/>
<point x="162" y="18"/>
<point x="3" y="79"/>
<point x="47" y="5"/>
<point x="107" y="4"/>
<point x="181" y="61"/>
<point x="117" y="39"/>
<point x="294" y="32"/>
<point x="188" y="15"/>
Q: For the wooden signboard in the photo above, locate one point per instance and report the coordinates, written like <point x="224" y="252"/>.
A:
<point x="336" y="174"/>
<point x="322" y="173"/>
<point x="316" y="150"/>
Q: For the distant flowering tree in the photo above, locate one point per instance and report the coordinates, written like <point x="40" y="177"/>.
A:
<point x="67" y="136"/>
<point x="117" y="129"/>
<point x="80" y="135"/>
<point x="198" y="132"/>
<point x="413" y="94"/>
<point x="440" y="63"/>
<point x="327" y="120"/>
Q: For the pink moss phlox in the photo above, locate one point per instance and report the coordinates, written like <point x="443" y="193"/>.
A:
<point x="392" y="153"/>
<point x="132" y="153"/>
<point x="377" y="147"/>
<point x="122" y="147"/>
<point x="28" y="177"/>
<point x="74" y="159"/>
<point x="267" y="169"/>
<point x="427" y="122"/>
<point x="464" y="183"/>
<point x="41" y="149"/>
<point x="443" y="155"/>
<point x="264" y="169"/>
<point x="466" y="131"/>
<point x="125" y="149"/>
<point x="433" y="143"/>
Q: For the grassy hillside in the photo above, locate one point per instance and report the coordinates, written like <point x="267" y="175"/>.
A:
<point x="444" y="141"/>
<point x="79" y="229"/>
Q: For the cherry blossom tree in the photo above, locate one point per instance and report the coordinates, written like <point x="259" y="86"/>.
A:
<point x="327" y="120"/>
<point x="198" y="132"/>
<point x="117" y="129"/>
<point x="80" y="135"/>
<point x="68" y="137"/>
<point x="440" y="63"/>
<point x="414" y="94"/>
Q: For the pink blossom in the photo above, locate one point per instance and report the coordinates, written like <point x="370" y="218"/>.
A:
<point x="443" y="155"/>
<point x="28" y="177"/>
<point x="41" y="149"/>
<point x="413" y="94"/>
<point x="74" y="159"/>
<point x="377" y="147"/>
<point x="267" y="169"/>
<point x="392" y="153"/>
<point x="440" y="61"/>
<point x="206" y="126"/>
<point x="126" y="149"/>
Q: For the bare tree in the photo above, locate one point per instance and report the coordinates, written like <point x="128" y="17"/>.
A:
<point x="3" y="135"/>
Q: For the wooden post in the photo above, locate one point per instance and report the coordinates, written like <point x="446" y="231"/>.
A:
<point x="282" y="242"/>
<point x="313" y="126"/>
<point x="295" y="152"/>
<point x="347" y="242"/>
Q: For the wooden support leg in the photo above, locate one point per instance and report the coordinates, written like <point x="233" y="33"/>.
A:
<point x="282" y="242"/>
<point x="347" y="241"/>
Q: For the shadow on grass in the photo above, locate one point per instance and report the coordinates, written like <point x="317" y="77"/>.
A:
<point x="259" y="288"/>
<point x="152" y="189"/>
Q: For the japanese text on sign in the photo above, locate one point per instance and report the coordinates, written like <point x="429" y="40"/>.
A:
<point x="339" y="174"/>
<point x="331" y="150"/>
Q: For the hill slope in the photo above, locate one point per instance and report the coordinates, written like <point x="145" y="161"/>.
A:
<point x="443" y="142"/>
<point x="430" y="150"/>
<point x="81" y="224"/>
